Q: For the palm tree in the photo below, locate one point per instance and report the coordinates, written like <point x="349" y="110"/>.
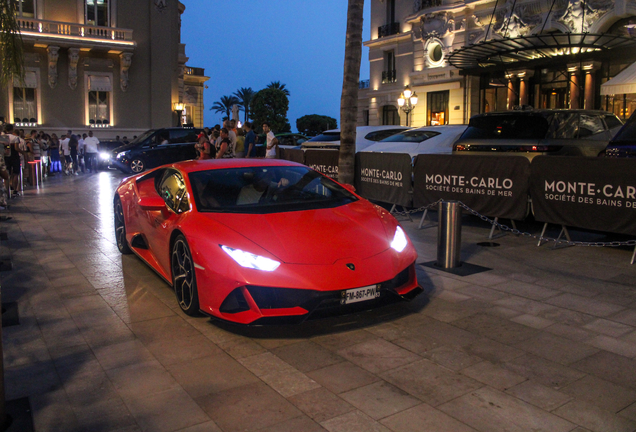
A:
<point x="279" y="86"/>
<point x="224" y="105"/>
<point x="349" y="99"/>
<point x="10" y="43"/>
<point x="245" y="96"/>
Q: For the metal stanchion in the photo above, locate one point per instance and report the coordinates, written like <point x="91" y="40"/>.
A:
<point x="449" y="235"/>
<point x="35" y="173"/>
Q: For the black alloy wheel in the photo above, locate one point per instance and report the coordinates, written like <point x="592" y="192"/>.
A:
<point x="137" y="166"/>
<point x="120" y="228"/>
<point x="183" y="277"/>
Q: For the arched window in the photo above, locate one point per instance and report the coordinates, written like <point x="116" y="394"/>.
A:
<point x="390" y="115"/>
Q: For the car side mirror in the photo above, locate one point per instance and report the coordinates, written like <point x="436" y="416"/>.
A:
<point x="152" y="203"/>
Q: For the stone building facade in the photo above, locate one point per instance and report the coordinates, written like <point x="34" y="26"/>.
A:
<point x="116" y="66"/>
<point x="467" y="57"/>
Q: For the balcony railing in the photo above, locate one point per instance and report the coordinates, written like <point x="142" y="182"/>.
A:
<point x="389" y="77"/>
<point x="71" y="30"/>
<point x="195" y="71"/>
<point x="425" y="4"/>
<point x="388" y="29"/>
<point x="364" y="84"/>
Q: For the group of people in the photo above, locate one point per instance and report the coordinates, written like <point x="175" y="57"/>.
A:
<point x="68" y="154"/>
<point x="232" y="142"/>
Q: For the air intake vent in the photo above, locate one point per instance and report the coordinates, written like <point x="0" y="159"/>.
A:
<point x="235" y="303"/>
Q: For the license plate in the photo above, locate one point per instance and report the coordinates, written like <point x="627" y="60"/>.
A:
<point x="360" y="294"/>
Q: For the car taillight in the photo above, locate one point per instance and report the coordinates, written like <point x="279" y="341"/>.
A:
<point x="534" y="148"/>
<point x="459" y="147"/>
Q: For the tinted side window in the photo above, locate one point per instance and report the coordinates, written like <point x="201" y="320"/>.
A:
<point x="380" y="135"/>
<point x="590" y="125"/>
<point x="173" y="190"/>
<point x="612" y="121"/>
<point x="564" y="126"/>
<point x="327" y="137"/>
<point x="179" y="136"/>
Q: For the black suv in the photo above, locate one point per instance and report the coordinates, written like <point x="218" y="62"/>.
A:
<point x="624" y="143"/>
<point x="535" y="132"/>
<point x="154" y="148"/>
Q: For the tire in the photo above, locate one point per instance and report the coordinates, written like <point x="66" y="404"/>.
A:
<point x="137" y="166"/>
<point x="183" y="277"/>
<point x="120" y="228"/>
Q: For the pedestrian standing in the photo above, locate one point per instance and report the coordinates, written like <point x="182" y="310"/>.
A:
<point x="272" y="142"/>
<point x="203" y="147"/>
<point x="73" y="145"/>
<point x="65" y="153"/>
<point x="44" y="151"/>
<point x="80" y="153"/>
<point x="54" y="155"/>
<point x="250" y="141"/>
<point x="225" y="149"/>
<point x="240" y="143"/>
<point x="91" y="145"/>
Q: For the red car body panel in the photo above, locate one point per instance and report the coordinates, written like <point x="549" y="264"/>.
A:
<point x="313" y="246"/>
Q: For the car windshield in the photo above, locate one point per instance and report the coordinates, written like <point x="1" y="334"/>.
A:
<point x="261" y="190"/>
<point x="327" y="137"/>
<point x="143" y="136"/>
<point x="509" y="126"/>
<point x="412" y="136"/>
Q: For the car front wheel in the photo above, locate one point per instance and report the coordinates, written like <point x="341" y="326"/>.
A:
<point x="137" y="166"/>
<point x="183" y="277"/>
<point x="120" y="228"/>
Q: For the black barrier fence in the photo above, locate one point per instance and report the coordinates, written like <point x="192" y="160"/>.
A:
<point x="591" y="193"/>
<point x="494" y="186"/>
<point x="384" y="177"/>
<point x="294" y="155"/>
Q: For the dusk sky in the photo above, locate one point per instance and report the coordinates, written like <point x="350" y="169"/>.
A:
<point x="251" y="43"/>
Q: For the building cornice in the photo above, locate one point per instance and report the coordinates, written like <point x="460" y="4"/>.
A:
<point x="389" y="39"/>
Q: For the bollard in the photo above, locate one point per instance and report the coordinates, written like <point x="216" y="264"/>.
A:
<point x="449" y="235"/>
<point x="36" y="173"/>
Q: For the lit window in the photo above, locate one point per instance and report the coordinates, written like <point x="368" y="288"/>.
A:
<point x="25" y="8"/>
<point x="97" y="13"/>
<point x="25" y="108"/>
<point x="99" y="107"/>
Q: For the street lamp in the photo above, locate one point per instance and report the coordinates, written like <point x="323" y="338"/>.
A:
<point x="407" y="102"/>
<point x="179" y="107"/>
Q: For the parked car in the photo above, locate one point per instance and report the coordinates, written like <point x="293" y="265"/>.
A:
<point x="237" y="240"/>
<point x="539" y="132"/>
<point x="154" y="148"/>
<point x="365" y="137"/>
<point x="424" y="140"/>
<point x="624" y="142"/>
<point x="106" y="148"/>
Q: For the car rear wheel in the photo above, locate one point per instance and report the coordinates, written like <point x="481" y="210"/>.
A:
<point x="183" y="277"/>
<point x="137" y="166"/>
<point x="120" y="228"/>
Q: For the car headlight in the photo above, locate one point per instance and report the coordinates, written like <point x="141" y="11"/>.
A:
<point x="399" y="240"/>
<point x="104" y="156"/>
<point x="249" y="260"/>
<point x="121" y="155"/>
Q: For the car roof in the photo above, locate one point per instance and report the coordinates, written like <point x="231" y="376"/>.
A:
<point x="542" y="112"/>
<point x="229" y="163"/>
<point x="448" y="128"/>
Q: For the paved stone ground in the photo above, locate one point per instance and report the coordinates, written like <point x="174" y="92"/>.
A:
<point x="546" y="341"/>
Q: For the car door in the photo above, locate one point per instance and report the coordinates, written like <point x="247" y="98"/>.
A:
<point x="182" y="142"/>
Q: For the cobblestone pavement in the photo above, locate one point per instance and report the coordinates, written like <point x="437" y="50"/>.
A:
<point x="545" y="341"/>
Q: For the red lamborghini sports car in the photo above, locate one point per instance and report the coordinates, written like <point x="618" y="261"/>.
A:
<point x="263" y="241"/>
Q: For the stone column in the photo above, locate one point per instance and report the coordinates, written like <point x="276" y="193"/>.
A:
<point x="523" y="91"/>
<point x="574" y="90"/>
<point x="511" y="94"/>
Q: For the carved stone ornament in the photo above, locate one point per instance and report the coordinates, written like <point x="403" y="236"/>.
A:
<point x="73" y="59"/>
<point x="54" y="54"/>
<point x="125" y="60"/>
<point x="161" y="5"/>
<point x="438" y="29"/>
<point x="579" y="15"/>
<point x="518" y="21"/>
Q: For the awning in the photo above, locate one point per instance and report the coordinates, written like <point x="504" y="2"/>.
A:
<point x="510" y="52"/>
<point x="624" y="82"/>
<point x="99" y="83"/>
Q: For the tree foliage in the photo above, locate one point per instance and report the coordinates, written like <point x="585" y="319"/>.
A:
<point x="279" y="86"/>
<point x="224" y="105"/>
<point x="349" y="99"/>
<point x="270" y="105"/>
<point x="315" y="124"/>
<point x="245" y="97"/>
<point x="11" y="49"/>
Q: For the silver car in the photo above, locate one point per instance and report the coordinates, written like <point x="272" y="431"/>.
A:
<point x="539" y="132"/>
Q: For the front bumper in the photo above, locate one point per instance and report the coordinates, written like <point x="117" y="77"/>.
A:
<point x="257" y="305"/>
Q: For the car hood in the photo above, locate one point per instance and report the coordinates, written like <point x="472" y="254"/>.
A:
<point x="316" y="237"/>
